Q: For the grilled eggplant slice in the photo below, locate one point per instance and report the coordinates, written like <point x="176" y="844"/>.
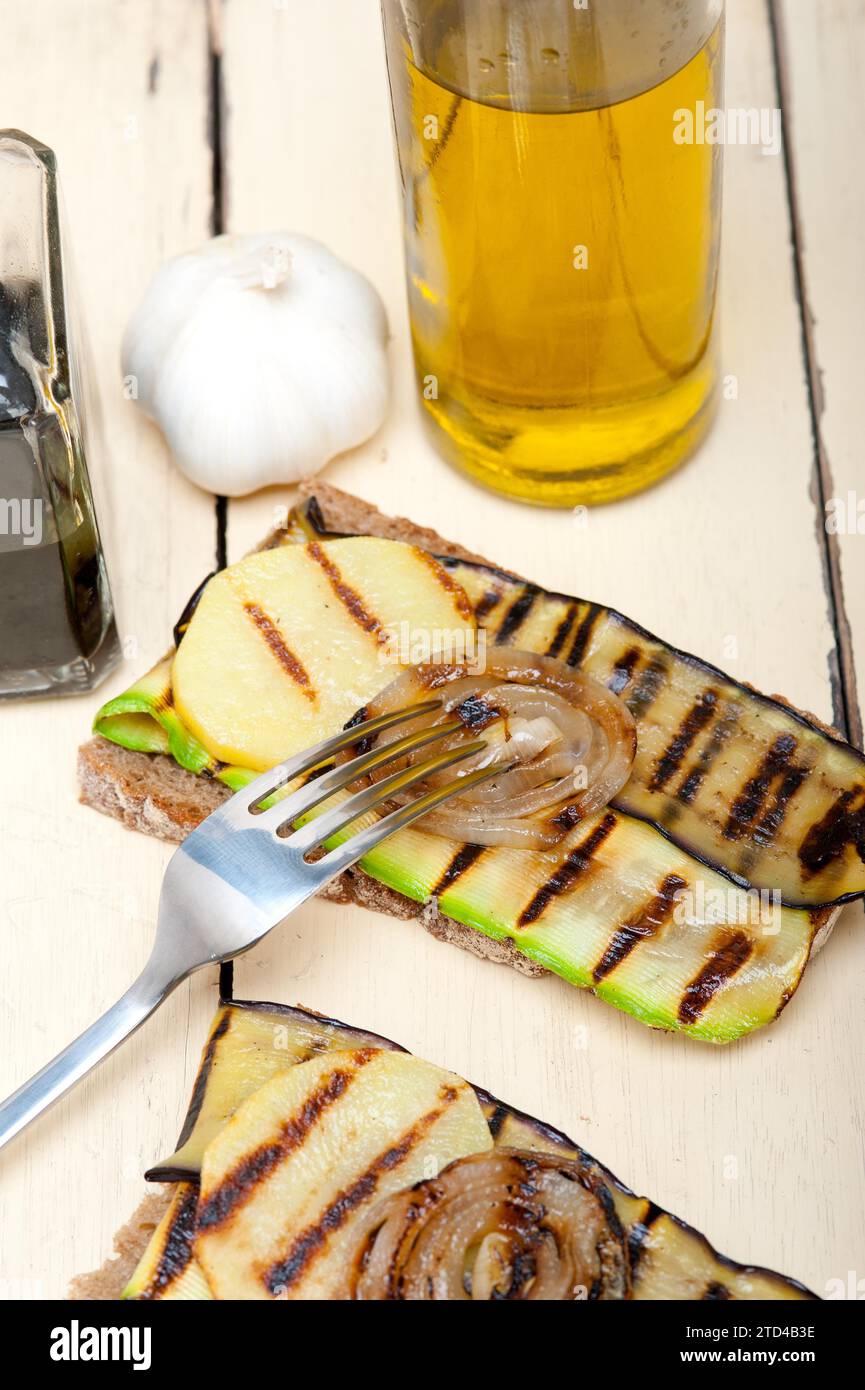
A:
<point x="666" y="1259"/>
<point x="287" y="1182"/>
<point x="721" y="767"/>
<point x="737" y="779"/>
<point x="168" y="1268"/>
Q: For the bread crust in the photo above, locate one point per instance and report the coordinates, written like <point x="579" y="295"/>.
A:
<point x="130" y="1242"/>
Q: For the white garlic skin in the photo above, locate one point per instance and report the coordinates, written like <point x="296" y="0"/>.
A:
<point x="260" y="358"/>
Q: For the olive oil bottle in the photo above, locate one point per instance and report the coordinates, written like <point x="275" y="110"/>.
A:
<point x="561" y="244"/>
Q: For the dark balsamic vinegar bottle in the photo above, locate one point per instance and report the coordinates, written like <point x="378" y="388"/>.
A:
<point x="57" y="629"/>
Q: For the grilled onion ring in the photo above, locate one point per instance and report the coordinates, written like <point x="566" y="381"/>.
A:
<point x="565" y="744"/>
<point x="500" y="1225"/>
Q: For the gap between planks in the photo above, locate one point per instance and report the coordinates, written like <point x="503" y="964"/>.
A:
<point x="842" y="669"/>
<point x="216" y="115"/>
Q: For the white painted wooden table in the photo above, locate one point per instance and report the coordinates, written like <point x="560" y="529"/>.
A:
<point x="758" y="1145"/>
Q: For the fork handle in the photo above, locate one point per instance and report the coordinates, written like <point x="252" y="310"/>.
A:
<point x="82" y="1055"/>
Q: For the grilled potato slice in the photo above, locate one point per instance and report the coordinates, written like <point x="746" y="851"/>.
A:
<point x="285" y="1184"/>
<point x="286" y="645"/>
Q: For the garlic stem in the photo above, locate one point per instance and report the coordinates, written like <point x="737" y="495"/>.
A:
<point x="263" y="267"/>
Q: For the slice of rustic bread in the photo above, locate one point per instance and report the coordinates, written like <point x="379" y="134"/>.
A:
<point x="150" y="792"/>
<point x="130" y="1243"/>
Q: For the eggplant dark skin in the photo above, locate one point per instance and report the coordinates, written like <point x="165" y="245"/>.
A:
<point x="192" y="603"/>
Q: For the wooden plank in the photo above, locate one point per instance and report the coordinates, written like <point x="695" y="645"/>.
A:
<point x="726" y="549"/>
<point x="723" y="559"/>
<point x="821" y="52"/>
<point x="120" y="91"/>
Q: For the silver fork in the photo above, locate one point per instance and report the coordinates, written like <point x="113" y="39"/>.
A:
<point x="245" y="868"/>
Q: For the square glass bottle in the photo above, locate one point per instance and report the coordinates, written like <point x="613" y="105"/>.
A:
<point x="57" y="628"/>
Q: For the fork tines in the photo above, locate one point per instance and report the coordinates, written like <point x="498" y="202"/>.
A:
<point x="281" y="817"/>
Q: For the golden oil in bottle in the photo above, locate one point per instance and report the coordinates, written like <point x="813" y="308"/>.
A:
<point x="561" y="244"/>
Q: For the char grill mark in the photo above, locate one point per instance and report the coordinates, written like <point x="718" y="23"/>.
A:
<point x="694" y="778"/>
<point x="648" y="687"/>
<point x="623" y="670"/>
<point x="716" y="1293"/>
<point x="561" y="632"/>
<point x="456" y="591"/>
<point x="583" y="634"/>
<point x="164" y="702"/>
<point x="751" y="799"/>
<point x="701" y="714"/>
<point x="159" y="1173"/>
<point x="200" y="1088"/>
<point x="567" y="818"/>
<point x="497" y="1119"/>
<point x="306" y="1248"/>
<point x="465" y="857"/>
<point x="368" y="741"/>
<point x="842" y="825"/>
<point x="647" y="920"/>
<point x="567" y="874"/>
<point x="348" y="597"/>
<point x="176" y="1253"/>
<point x="486" y="603"/>
<point x="276" y="642"/>
<point x="517" y="613"/>
<point x="728" y="957"/>
<point x="773" y="817"/>
<point x="240" y="1184"/>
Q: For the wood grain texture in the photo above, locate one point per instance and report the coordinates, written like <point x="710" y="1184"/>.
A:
<point x="723" y="557"/>
<point x="119" y="91"/>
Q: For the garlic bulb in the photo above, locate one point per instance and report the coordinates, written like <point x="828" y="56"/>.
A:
<point x="260" y="358"/>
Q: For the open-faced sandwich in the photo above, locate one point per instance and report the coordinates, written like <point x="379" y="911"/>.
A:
<point x="318" y="1161"/>
<point x="659" y="833"/>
